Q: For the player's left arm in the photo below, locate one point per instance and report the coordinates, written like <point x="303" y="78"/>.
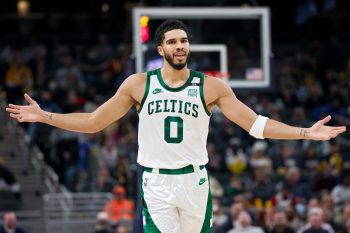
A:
<point x="220" y="94"/>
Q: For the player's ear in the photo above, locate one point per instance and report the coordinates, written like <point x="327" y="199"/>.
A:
<point x="160" y="50"/>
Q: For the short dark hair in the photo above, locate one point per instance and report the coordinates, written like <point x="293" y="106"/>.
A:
<point x="168" y="25"/>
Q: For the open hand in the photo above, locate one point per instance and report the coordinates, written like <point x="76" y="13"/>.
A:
<point x="26" y="113"/>
<point x="320" y="131"/>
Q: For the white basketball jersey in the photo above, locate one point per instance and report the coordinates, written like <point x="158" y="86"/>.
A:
<point x="173" y="124"/>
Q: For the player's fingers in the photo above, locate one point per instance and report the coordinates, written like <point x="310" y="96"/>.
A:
<point x="326" y="119"/>
<point x="13" y="110"/>
<point x="14" y="106"/>
<point x="335" y="133"/>
<point x="338" y="131"/>
<point x="341" y="128"/>
<point x="16" y="116"/>
<point x="29" y="99"/>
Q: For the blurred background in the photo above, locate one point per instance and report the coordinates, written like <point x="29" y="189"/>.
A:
<point x="71" y="56"/>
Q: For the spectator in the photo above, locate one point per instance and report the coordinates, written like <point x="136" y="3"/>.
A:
<point x="120" y="208"/>
<point x="234" y="186"/>
<point x="89" y="150"/>
<point x="344" y="218"/>
<point x="104" y="182"/>
<point x="259" y="158"/>
<point x="315" y="223"/>
<point x="295" y="220"/>
<point x="299" y="188"/>
<point x="326" y="178"/>
<point x="102" y="223"/>
<point x="284" y="197"/>
<point x="216" y="187"/>
<point x="68" y="74"/>
<point x="310" y="160"/>
<point x="10" y="224"/>
<point x="280" y="223"/>
<point x="8" y="181"/>
<point x="341" y="192"/>
<point x="215" y="165"/>
<point x="122" y="172"/>
<point x="218" y="214"/>
<point x="235" y="209"/>
<point x="236" y="159"/>
<point x="244" y="224"/>
<point x="287" y="156"/>
<point x="122" y="229"/>
<point x="19" y="78"/>
<point x="109" y="154"/>
<point x="262" y="188"/>
<point x="327" y="202"/>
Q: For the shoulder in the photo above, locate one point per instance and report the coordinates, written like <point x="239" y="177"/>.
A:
<point x="133" y="82"/>
<point x="217" y="87"/>
<point x="215" y="82"/>
<point x="136" y="78"/>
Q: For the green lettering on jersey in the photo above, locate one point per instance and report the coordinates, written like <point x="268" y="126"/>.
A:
<point x="158" y="107"/>
<point x="180" y="106"/>
<point x="150" y="108"/>
<point x="173" y="102"/>
<point x="171" y="105"/>
<point x="195" y="112"/>
<point x="187" y="110"/>
<point x="166" y="109"/>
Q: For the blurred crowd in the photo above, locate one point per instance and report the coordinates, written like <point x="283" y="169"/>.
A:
<point x="257" y="185"/>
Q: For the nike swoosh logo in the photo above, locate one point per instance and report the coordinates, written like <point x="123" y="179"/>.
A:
<point x="202" y="181"/>
<point x="157" y="90"/>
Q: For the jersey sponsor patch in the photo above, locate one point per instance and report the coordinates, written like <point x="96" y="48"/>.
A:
<point x="192" y="92"/>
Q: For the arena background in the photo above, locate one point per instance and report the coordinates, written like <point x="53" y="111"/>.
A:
<point x="72" y="56"/>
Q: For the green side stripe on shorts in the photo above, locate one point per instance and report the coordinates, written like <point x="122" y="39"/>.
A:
<point x="206" y="228"/>
<point x="149" y="226"/>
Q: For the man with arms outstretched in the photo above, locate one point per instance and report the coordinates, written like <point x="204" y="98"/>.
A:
<point x="174" y="105"/>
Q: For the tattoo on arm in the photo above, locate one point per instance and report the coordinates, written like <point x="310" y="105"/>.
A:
<point x="303" y="133"/>
<point x="49" y="116"/>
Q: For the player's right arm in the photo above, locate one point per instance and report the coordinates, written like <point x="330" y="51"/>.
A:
<point x="112" y="110"/>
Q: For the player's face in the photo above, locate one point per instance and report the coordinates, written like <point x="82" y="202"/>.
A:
<point x="175" y="48"/>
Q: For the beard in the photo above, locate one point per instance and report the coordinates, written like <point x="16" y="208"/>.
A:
<point x="178" y="66"/>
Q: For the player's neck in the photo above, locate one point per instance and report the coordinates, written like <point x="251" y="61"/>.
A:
<point x="173" y="76"/>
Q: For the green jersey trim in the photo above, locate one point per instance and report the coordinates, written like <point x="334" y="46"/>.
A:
<point x="174" y="89"/>
<point x="148" y="80"/>
<point x="201" y="92"/>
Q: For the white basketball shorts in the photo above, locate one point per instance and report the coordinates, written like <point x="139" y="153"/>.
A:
<point x="176" y="200"/>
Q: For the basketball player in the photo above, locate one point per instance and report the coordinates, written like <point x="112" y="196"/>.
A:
<point x="174" y="105"/>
